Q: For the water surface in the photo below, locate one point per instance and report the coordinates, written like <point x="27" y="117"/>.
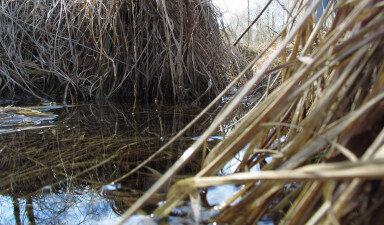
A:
<point x="63" y="164"/>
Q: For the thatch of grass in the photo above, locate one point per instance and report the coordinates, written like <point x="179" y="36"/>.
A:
<point x="322" y="126"/>
<point x="127" y="50"/>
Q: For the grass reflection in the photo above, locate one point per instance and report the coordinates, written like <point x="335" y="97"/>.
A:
<point x="68" y="170"/>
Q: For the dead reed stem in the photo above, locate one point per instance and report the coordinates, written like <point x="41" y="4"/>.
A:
<point x="324" y="120"/>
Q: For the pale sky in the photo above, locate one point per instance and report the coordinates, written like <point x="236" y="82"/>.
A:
<point x="235" y="7"/>
<point x="231" y="6"/>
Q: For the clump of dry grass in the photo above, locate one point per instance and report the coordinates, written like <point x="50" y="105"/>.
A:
<point x="322" y="127"/>
<point x="127" y="50"/>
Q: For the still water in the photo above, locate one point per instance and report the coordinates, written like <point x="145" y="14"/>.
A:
<point x="63" y="164"/>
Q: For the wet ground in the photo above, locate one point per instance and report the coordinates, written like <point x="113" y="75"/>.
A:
<point x="70" y="164"/>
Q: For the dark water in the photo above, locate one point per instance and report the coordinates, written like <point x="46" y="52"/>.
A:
<point x="62" y="164"/>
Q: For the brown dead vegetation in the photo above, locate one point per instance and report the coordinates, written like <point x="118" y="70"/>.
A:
<point x="163" y="50"/>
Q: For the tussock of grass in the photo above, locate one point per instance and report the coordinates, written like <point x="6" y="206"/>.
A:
<point x="323" y="123"/>
<point x="127" y="50"/>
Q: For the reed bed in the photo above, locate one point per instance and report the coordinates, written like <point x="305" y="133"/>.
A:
<point x="146" y="51"/>
<point x="317" y="137"/>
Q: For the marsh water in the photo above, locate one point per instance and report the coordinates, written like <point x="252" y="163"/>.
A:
<point x="70" y="164"/>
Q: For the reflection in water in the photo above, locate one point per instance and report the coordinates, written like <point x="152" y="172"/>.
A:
<point x="62" y="170"/>
<point x="17" y="119"/>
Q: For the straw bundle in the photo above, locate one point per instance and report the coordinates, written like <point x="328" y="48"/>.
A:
<point x="318" y="137"/>
<point x="127" y="50"/>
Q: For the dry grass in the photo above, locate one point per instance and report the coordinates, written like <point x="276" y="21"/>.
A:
<point x="128" y="50"/>
<point x="322" y="127"/>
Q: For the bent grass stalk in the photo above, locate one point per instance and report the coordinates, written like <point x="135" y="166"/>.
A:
<point x="333" y="92"/>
